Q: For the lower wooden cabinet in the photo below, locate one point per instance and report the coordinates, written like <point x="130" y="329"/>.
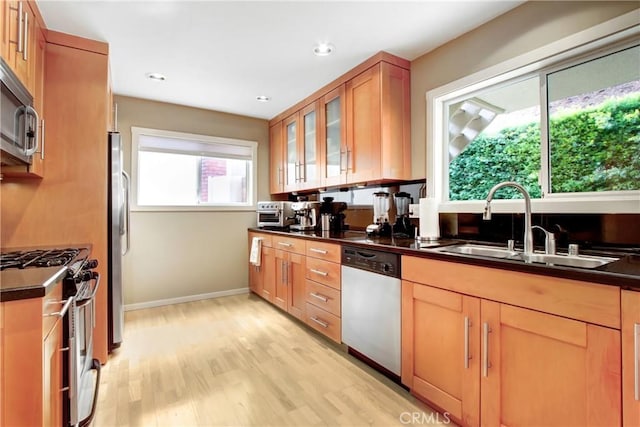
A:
<point x="32" y="361"/>
<point x="631" y="358"/>
<point x="290" y="285"/>
<point x="487" y="362"/>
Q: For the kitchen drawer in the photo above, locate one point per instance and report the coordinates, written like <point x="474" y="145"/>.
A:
<point x="322" y="250"/>
<point x="324" y="297"/>
<point x="266" y="238"/>
<point x="289" y="244"/>
<point x="324" y="322"/>
<point x="325" y="272"/>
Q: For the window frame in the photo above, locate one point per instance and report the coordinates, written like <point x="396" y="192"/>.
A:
<point x="594" y="42"/>
<point x="252" y="180"/>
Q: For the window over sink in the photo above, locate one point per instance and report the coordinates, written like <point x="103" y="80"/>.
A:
<point x="564" y="123"/>
<point x="180" y="171"/>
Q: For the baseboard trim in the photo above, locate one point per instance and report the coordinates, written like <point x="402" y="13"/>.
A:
<point x="188" y="298"/>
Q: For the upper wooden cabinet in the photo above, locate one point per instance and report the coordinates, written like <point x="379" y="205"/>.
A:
<point x="18" y="39"/>
<point x="276" y="159"/>
<point x="355" y="130"/>
<point x="630" y="358"/>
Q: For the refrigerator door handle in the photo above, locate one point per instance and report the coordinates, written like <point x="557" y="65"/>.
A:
<point x="127" y="213"/>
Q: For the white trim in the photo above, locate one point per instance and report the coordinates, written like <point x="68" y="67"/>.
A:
<point x="253" y="196"/>
<point x="188" y="298"/>
<point x="614" y="30"/>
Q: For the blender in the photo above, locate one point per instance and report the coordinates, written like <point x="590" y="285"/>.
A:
<point x="380" y="224"/>
<point x="403" y="226"/>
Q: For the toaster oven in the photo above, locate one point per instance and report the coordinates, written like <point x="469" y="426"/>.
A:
<point x="274" y="214"/>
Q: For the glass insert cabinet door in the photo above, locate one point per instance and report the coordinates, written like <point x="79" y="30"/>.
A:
<point x="310" y="161"/>
<point x="333" y="138"/>
<point x="291" y="152"/>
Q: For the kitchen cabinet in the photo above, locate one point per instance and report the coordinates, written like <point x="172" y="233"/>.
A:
<point x="323" y="284"/>
<point x="631" y="358"/>
<point x="378" y="125"/>
<point x="276" y="159"/>
<point x="333" y="138"/>
<point x="355" y="130"/>
<point x="18" y="39"/>
<point x="36" y="81"/>
<point x="472" y="352"/>
<point x="262" y="277"/>
<point x="289" y="275"/>
<point x="32" y="360"/>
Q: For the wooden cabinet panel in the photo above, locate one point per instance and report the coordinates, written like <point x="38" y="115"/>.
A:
<point x="395" y="122"/>
<point x="441" y="349"/>
<point x="276" y="159"/>
<point x="333" y="137"/>
<point x="630" y="358"/>
<point x="324" y="322"/>
<point x="325" y="272"/>
<point x="296" y="300"/>
<point x="52" y="377"/>
<point x="589" y="302"/>
<point x="309" y="147"/>
<point x="322" y="250"/>
<point x="323" y="297"/>
<point x="291" y="141"/>
<point x="547" y="369"/>
<point x="268" y="271"/>
<point x="289" y="244"/>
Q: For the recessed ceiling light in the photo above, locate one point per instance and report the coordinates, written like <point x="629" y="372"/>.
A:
<point x="156" y="77"/>
<point x="263" y="98"/>
<point x="323" y="49"/>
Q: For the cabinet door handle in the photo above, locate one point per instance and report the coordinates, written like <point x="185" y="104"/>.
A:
<point x="321" y="273"/>
<point x="282" y="280"/>
<point x="64" y="309"/>
<point x="485" y="354"/>
<point x="26" y="36"/>
<point x="320" y="322"/>
<point x="42" y="141"/>
<point x="467" y="357"/>
<point x="318" y="251"/>
<point x="349" y="165"/>
<point x="636" y="346"/>
<point x="320" y="297"/>
<point x="279" y="177"/>
<point x="285" y="244"/>
<point x="20" y="28"/>
<point x="342" y="155"/>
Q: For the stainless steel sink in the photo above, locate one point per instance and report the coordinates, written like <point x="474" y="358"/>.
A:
<point x="479" y="250"/>
<point x="578" y="261"/>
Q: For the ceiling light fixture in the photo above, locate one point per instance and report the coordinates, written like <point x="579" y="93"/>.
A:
<point x="323" y="49"/>
<point x="156" y="77"/>
<point x="263" y="98"/>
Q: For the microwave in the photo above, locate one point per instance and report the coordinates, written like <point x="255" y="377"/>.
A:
<point x="19" y="120"/>
<point x="275" y="214"/>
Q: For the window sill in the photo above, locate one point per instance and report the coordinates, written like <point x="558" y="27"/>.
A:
<point x="251" y="208"/>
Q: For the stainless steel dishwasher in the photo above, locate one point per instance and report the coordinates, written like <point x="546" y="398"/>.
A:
<point x="371" y="301"/>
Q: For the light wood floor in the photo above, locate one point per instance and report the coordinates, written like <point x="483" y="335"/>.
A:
<point x="238" y="361"/>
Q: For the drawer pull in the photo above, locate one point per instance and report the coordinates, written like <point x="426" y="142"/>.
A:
<point x="636" y="342"/>
<point x="320" y="322"/>
<point x="318" y="251"/>
<point x="321" y="273"/>
<point x="486" y="330"/>
<point x="467" y="325"/>
<point x="320" y="297"/>
<point x="285" y="244"/>
<point x="64" y="309"/>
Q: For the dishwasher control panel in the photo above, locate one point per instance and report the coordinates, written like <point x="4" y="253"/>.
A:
<point x="385" y="263"/>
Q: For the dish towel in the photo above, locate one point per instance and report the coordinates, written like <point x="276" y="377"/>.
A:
<point x="256" y="249"/>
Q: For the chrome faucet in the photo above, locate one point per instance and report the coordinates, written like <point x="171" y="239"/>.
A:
<point x="549" y="241"/>
<point x="528" y="234"/>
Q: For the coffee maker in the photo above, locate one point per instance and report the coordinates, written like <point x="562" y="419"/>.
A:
<point x="403" y="226"/>
<point x="380" y="226"/>
<point x="306" y="215"/>
<point x="334" y="209"/>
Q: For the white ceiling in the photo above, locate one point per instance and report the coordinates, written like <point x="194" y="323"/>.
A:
<point x="220" y="55"/>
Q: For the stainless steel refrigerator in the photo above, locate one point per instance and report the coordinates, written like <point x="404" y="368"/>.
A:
<point x="119" y="241"/>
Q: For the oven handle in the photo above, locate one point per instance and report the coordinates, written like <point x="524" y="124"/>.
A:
<point x="95" y="365"/>
<point x="84" y="301"/>
<point x="64" y="309"/>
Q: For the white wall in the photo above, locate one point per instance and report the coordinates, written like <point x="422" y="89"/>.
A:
<point x="175" y="256"/>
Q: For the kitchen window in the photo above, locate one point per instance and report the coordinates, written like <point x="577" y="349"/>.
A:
<point x="566" y="127"/>
<point x="174" y="170"/>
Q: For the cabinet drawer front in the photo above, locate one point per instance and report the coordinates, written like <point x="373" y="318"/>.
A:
<point x="323" y="296"/>
<point x="266" y="239"/>
<point x="324" y="322"/>
<point x="322" y="250"/>
<point x="288" y="244"/>
<point x="325" y="272"/>
<point x="51" y="303"/>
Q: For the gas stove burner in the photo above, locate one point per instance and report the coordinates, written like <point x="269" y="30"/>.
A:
<point x="38" y="258"/>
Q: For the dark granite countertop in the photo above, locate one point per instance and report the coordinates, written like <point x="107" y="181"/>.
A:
<point x="26" y="283"/>
<point x="624" y="273"/>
